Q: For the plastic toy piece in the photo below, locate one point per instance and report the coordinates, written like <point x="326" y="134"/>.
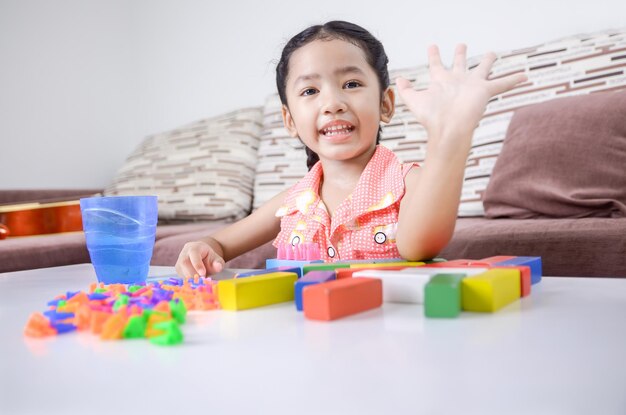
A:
<point x="171" y="334"/>
<point x="257" y="291"/>
<point x="492" y="290"/>
<point x="38" y="326"/>
<point x="341" y="273"/>
<point x="340" y="298"/>
<point x="534" y="262"/>
<point x="313" y="277"/>
<point x="178" y="311"/>
<point x="399" y="287"/>
<point x="135" y="327"/>
<point x="113" y="328"/>
<point x="63" y="327"/>
<point x="297" y="270"/>
<point x="443" y="296"/>
<point x="154" y="319"/>
<point x="324" y="267"/>
<point x="525" y="277"/>
<point x="405" y="264"/>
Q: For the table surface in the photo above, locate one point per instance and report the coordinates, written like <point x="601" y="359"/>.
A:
<point x="559" y="351"/>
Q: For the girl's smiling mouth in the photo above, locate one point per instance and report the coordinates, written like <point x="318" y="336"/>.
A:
<point x="337" y="130"/>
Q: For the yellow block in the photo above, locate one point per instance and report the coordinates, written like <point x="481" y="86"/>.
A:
<point x="388" y="264"/>
<point x="256" y="291"/>
<point x="490" y="291"/>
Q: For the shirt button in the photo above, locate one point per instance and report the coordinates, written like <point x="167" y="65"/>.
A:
<point x="380" y="238"/>
<point x="331" y="252"/>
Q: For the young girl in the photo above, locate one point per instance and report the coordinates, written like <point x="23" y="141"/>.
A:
<point x="358" y="201"/>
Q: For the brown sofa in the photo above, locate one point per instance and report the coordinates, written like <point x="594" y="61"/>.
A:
<point x="589" y="247"/>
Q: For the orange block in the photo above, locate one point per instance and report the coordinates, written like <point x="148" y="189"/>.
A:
<point x="341" y="298"/>
<point x="341" y="273"/>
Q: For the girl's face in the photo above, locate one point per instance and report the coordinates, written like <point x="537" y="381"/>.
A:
<point x="334" y="100"/>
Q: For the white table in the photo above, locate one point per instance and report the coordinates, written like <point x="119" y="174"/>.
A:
<point x="559" y="351"/>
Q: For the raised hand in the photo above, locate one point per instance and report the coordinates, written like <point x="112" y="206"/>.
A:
<point x="456" y="98"/>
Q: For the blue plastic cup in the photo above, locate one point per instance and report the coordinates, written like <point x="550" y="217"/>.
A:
<point x="120" y="232"/>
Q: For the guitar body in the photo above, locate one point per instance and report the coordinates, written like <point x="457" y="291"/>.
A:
<point x="41" y="218"/>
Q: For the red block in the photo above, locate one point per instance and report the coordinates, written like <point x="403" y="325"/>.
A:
<point x="341" y="298"/>
<point x="494" y="259"/>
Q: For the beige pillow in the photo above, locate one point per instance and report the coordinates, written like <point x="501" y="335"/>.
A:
<point x="564" y="158"/>
<point x="201" y="171"/>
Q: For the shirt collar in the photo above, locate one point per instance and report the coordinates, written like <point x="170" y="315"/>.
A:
<point x="381" y="185"/>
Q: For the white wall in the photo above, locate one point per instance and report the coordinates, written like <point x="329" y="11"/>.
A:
<point x="83" y="81"/>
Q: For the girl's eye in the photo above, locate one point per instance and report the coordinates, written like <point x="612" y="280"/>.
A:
<point x="352" y="84"/>
<point x="308" y="91"/>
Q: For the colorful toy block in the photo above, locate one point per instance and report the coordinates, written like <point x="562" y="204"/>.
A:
<point x="277" y="263"/>
<point x="495" y="259"/>
<point x="297" y="270"/>
<point x="256" y="291"/>
<point x="525" y="277"/>
<point x="442" y="296"/>
<point x="348" y="272"/>
<point x="312" y="277"/>
<point x="399" y="287"/>
<point x="491" y="290"/>
<point x="332" y="266"/>
<point x="406" y="264"/>
<point x="341" y="298"/>
<point x="530" y="261"/>
<point x="449" y="270"/>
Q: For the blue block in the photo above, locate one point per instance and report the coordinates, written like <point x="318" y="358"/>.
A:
<point x="534" y="262"/>
<point x="297" y="270"/>
<point x="310" y="278"/>
<point x="278" y="263"/>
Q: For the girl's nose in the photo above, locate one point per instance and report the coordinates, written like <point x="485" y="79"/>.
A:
<point x="333" y="102"/>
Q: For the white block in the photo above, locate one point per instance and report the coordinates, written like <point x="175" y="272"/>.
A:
<point x="399" y="287"/>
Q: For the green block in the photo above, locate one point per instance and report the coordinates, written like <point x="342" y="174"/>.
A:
<point x="136" y="327"/>
<point x="324" y="267"/>
<point x="435" y="260"/>
<point x="178" y="310"/>
<point x="172" y="334"/>
<point x="442" y="295"/>
<point x="100" y="290"/>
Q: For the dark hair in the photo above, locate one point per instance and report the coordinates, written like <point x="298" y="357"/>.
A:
<point x="374" y="54"/>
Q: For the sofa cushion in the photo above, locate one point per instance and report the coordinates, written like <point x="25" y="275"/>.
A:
<point x="43" y="251"/>
<point x="201" y="171"/>
<point x="588" y="247"/>
<point x="563" y="158"/>
<point x="570" y="66"/>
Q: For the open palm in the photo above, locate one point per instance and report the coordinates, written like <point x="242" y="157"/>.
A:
<point x="457" y="97"/>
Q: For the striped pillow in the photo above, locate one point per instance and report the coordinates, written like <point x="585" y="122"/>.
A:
<point x="201" y="171"/>
<point x="573" y="65"/>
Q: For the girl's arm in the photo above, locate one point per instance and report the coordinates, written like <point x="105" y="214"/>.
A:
<point x="209" y="254"/>
<point x="450" y="109"/>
